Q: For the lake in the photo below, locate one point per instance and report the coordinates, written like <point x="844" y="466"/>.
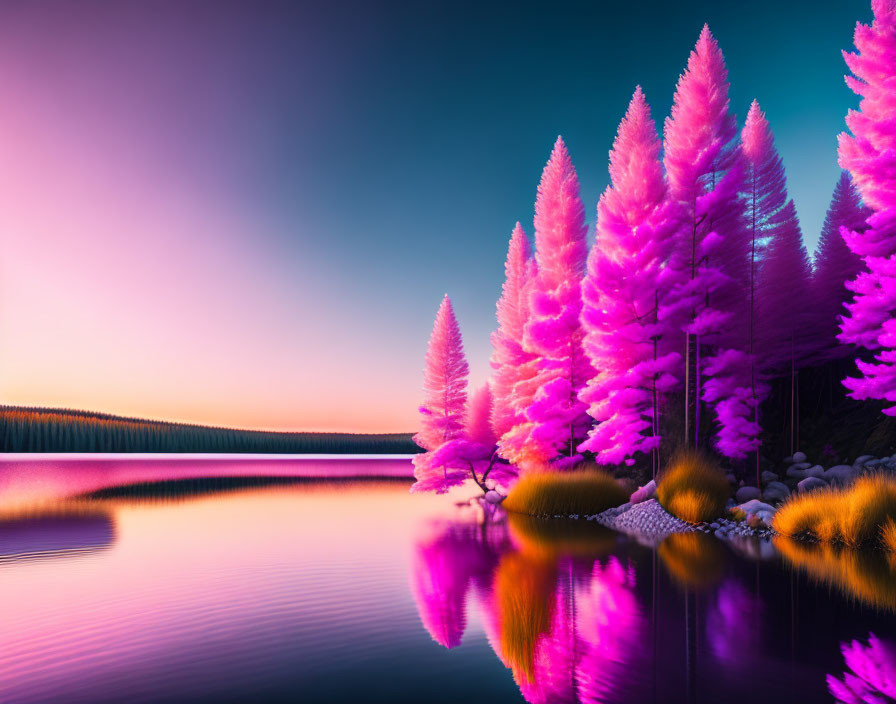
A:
<point x="220" y="580"/>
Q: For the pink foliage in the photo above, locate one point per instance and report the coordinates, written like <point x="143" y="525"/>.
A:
<point x="872" y="678"/>
<point x="835" y="264"/>
<point x="556" y="421"/>
<point x="626" y="294"/>
<point x="444" y="406"/>
<point x="511" y="362"/>
<point x="869" y="154"/>
<point x="705" y="172"/>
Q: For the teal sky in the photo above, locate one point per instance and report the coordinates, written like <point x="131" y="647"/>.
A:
<point x="265" y="201"/>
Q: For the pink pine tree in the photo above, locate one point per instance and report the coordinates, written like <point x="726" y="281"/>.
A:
<point x="780" y="273"/>
<point x="705" y="174"/>
<point x="625" y="296"/>
<point x="511" y="362"/>
<point x="556" y="421"/>
<point x="835" y="264"/>
<point x="869" y="154"/>
<point x="444" y="406"/>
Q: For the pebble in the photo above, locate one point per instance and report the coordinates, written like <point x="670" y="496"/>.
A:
<point x="799" y="457"/>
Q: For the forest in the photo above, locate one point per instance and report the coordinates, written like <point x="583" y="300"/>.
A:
<point x="25" y="429"/>
<point x="698" y="319"/>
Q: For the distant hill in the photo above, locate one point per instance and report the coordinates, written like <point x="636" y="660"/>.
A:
<point x="24" y="429"/>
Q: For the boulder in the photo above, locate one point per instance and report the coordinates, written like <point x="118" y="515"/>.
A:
<point x="731" y="478"/>
<point x="775" y="491"/>
<point x="799" y="457"/>
<point x="769" y="477"/>
<point x="862" y="460"/>
<point x="796" y="472"/>
<point x="493" y="497"/>
<point x="756" y="506"/>
<point x="810" y="484"/>
<point x="648" y="491"/>
<point x="746" y="493"/>
<point x="803" y="465"/>
<point x="816" y="471"/>
<point x="840" y="475"/>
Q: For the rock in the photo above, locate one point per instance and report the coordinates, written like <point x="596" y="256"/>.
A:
<point x="816" y="471"/>
<point x="493" y="497"/>
<point x="803" y="465"/>
<point x="840" y="475"/>
<point x="796" y="472"/>
<point x="755" y="506"/>
<point x="731" y="478"/>
<point x="648" y="491"/>
<point x="775" y="491"/>
<point x="862" y="460"/>
<point x="745" y="493"/>
<point x="799" y="457"/>
<point x="811" y="483"/>
<point x="769" y="477"/>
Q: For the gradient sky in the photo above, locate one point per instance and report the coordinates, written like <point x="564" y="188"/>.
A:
<point x="246" y="213"/>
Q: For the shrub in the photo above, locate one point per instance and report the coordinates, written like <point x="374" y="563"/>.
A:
<point x="854" y="515"/>
<point x="888" y="536"/>
<point x="582" y="491"/>
<point x="693" y="488"/>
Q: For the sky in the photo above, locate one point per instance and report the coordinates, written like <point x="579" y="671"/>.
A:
<point x="247" y="213"/>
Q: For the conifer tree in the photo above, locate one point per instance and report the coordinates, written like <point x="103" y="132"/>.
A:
<point x="869" y="154"/>
<point x="626" y="296"/>
<point x="511" y="362"/>
<point x="835" y="265"/>
<point x="705" y="174"/>
<point x="556" y="421"/>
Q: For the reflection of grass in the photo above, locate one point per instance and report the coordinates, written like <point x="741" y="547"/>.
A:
<point x="581" y="492"/>
<point x="693" y="559"/>
<point x="863" y="574"/>
<point x="552" y="538"/>
<point x="854" y="515"/>
<point x="693" y="488"/>
<point x="524" y="587"/>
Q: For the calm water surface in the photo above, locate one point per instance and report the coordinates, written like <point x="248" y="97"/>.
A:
<point x="213" y="581"/>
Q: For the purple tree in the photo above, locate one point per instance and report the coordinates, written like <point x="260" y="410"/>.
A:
<point x="779" y="287"/>
<point x="511" y="363"/>
<point x="705" y="174"/>
<point x="869" y="154"/>
<point x="625" y="293"/>
<point x="556" y="421"/>
<point x="835" y="264"/>
<point x="444" y="406"/>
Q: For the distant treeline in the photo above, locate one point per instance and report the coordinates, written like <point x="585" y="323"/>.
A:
<point x="61" y="430"/>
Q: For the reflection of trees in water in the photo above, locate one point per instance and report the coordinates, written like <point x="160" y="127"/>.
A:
<point x="62" y="531"/>
<point x="866" y="575"/>
<point x="871" y="678"/>
<point x="565" y="620"/>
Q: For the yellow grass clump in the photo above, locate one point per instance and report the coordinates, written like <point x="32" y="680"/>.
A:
<point x="693" y="488"/>
<point x="854" y="515"/>
<point x="888" y="535"/>
<point x="583" y="491"/>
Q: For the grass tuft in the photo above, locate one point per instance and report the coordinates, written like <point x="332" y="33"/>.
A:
<point x="854" y="515"/>
<point x="693" y="488"/>
<point x="583" y="491"/>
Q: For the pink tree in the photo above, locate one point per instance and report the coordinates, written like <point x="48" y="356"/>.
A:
<point x="705" y="174"/>
<point x="625" y="294"/>
<point x="869" y="154"/>
<point x="779" y="288"/>
<point x="835" y="264"/>
<point x="444" y="406"/>
<point x="511" y="363"/>
<point x="556" y="421"/>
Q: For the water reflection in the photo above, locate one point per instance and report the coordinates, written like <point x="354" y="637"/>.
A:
<point x="871" y="678"/>
<point x="693" y="559"/>
<point x="559" y="612"/>
<point x="865" y="575"/>
<point x="61" y="532"/>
